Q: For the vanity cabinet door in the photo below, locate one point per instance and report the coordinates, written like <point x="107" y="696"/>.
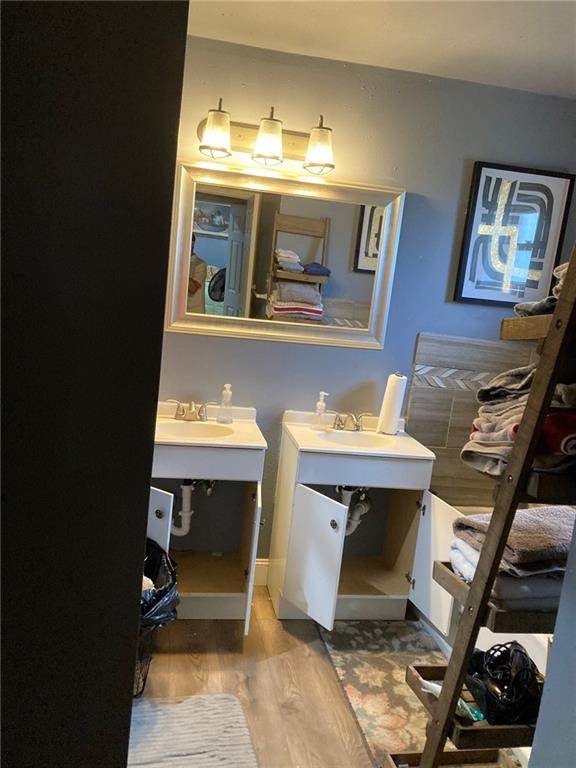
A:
<point x="160" y="505"/>
<point x="314" y="554"/>
<point x="251" y="531"/>
<point x="433" y="543"/>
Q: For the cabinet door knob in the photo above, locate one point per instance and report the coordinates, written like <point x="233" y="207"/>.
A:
<point x="159" y="514"/>
<point x="334" y="525"/>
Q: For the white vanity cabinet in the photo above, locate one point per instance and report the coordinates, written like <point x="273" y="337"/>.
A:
<point x="213" y="584"/>
<point x="311" y="574"/>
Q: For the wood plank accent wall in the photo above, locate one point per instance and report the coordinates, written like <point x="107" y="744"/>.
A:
<point x="447" y="372"/>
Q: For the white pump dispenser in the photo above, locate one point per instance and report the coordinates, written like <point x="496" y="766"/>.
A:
<point x="225" y="411"/>
<point x="321" y="407"/>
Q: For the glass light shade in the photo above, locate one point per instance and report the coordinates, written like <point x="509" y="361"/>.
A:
<point x="216" y="136"/>
<point x="319" y="156"/>
<point x="268" y="146"/>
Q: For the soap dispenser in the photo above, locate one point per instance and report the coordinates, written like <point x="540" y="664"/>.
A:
<point x="321" y="408"/>
<point x="225" y="411"/>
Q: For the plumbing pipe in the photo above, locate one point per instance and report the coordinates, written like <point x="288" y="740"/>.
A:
<point x="186" y="512"/>
<point x="355" y="515"/>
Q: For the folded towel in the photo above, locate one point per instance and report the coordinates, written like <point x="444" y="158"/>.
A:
<point x="560" y="275"/>
<point x="543" y="307"/>
<point x="542" y="581"/>
<point x="539" y="533"/>
<point x="298" y="292"/>
<point x="315" y="268"/>
<point x="507" y="385"/>
<point x="286" y="255"/>
<point x="291" y="266"/>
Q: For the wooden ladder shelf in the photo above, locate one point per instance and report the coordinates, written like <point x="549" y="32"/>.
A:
<point x="516" y="485"/>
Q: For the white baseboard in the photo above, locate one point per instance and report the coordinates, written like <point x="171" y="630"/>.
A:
<point x="261" y="573"/>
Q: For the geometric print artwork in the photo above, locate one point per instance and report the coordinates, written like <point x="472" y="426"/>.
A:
<point x="449" y="378"/>
<point x="513" y="234"/>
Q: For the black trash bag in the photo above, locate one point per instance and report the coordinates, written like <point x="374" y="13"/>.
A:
<point x="506" y="684"/>
<point x="158" y="606"/>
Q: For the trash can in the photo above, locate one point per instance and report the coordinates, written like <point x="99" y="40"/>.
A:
<point x="157" y="607"/>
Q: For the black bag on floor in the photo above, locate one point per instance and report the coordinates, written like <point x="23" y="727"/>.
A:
<point x="158" y="606"/>
<point x="506" y="684"/>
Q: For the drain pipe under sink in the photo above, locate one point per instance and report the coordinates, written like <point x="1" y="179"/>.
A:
<point x="355" y="513"/>
<point x="186" y="512"/>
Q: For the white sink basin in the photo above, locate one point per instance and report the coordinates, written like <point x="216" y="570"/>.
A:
<point x="171" y="428"/>
<point x="356" y="439"/>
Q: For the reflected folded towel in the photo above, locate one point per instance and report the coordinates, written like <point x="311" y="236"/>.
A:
<point x="286" y="255"/>
<point x="291" y="266"/>
<point x="298" y="292"/>
<point x="315" y="268"/>
<point x="539" y="533"/>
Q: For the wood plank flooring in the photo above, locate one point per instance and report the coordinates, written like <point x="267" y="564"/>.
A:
<point x="297" y="712"/>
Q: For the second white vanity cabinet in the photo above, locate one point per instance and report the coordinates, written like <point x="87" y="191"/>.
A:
<point x="311" y="573"/>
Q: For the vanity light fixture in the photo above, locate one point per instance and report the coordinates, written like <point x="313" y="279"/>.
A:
<point x="268" y="146"/>
<point x="216" y="137"/>
<point x="320" y="157"/>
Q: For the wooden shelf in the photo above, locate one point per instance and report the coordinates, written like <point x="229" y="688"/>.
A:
<point x="550" y="488"/>
<point x="525" y="328"/>
<point x="299" y="277"/>
<point x="480" y="735"/>
<point x="461" y="758"/>
<point x="496" y="619"/>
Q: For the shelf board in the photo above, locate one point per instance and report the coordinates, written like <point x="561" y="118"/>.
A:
<point x="299" y="277"/>
<point x="551" y="488"/>
<point x="203" y="572"/>
<point x="477" y="736"/>
<point x="525" y="328"/>
<point x="460" y="758"/>
<point x="496" y="619"/>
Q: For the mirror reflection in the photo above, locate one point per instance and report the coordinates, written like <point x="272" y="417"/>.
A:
<point x="285" y="258"/>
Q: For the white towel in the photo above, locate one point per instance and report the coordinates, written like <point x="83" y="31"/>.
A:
<point x="287" y="255"/>
<point x="507" y="587"/>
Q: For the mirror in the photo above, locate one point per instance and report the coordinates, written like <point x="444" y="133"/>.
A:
<point x="262" y="257"/>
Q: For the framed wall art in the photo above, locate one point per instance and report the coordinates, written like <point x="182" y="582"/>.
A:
<point x="513" y="234"/>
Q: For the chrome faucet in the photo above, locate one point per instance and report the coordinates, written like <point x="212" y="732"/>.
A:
<point x="202" y="410"/>
<point x="343" y="418"/>
<point x="185" y="411"/>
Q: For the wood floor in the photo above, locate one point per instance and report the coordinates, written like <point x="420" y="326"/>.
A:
<point x="297" y="712"/>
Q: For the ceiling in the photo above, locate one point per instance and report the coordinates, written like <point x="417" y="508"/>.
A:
<point x="526" y="45"/>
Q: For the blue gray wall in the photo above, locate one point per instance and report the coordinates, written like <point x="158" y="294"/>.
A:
<point x="390" y="128"/>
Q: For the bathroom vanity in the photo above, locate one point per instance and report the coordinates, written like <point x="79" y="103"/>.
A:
<point x="314" y="570"/>
<point x="213" y="584"/>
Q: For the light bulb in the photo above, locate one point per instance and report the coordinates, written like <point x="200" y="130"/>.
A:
<point x="216" y="137"/>
<point x="268" y="146"/>
<point x="319" y="156"/>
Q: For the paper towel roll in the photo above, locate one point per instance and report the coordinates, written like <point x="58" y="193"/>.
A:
<point x="392" y="404"/>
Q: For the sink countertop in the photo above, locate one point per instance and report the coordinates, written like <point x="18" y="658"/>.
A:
<point x="299" y="426"/>
<point x="245" y="432"/>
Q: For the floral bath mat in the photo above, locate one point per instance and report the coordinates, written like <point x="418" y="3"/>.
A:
<point x="370" y="659"/>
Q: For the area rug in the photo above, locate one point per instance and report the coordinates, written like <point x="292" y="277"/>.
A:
<point x="204" y="731"/>
<point x="370" y="659"/>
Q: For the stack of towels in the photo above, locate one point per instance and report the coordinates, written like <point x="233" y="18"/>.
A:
<point x="301" y="301"/>
<point x="534" y="560"/>
<point x="502" y="404"/>
<point x="288" y="260"/>
<point x="544" y="306"/>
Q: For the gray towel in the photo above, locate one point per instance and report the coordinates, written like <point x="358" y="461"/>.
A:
<point x="306" y="293"/>
<point x="543" y="307"/>
<point x="540" y="533"/>
<point x="507" y="385"/>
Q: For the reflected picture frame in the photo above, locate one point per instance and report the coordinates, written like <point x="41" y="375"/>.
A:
<point x="513" y="234"/>
<point x="211" y="219"/>
<point x="371" y="230"/>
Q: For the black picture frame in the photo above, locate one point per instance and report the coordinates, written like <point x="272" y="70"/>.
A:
<point x="364" y="263"/>
<point x="509" y="194"/>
